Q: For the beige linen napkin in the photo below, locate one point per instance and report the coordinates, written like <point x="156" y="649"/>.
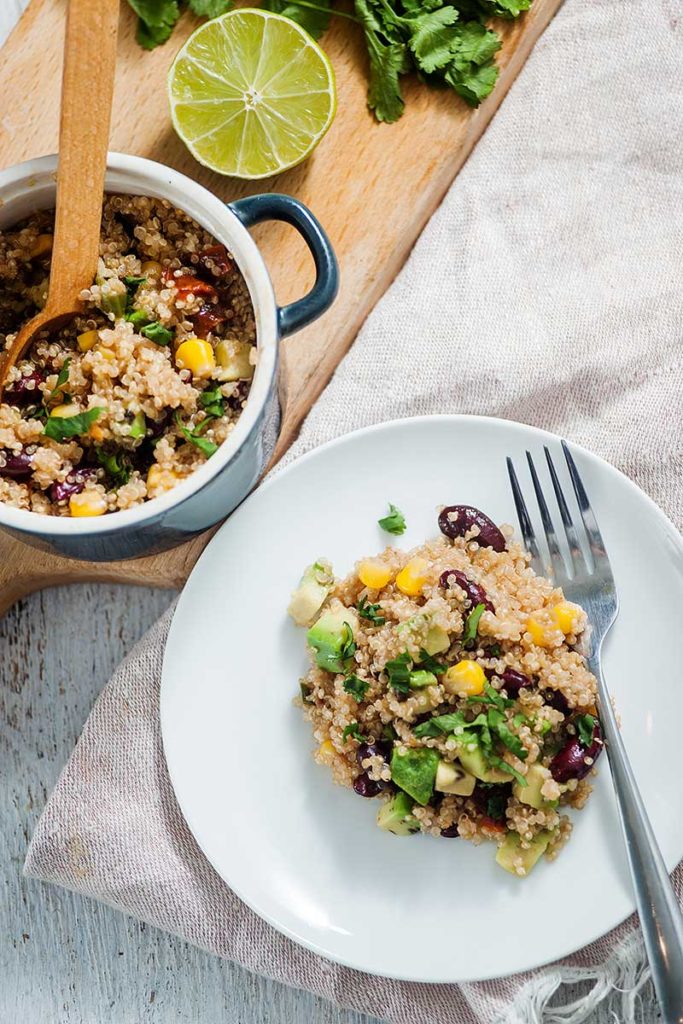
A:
<point x="547" y="288"/>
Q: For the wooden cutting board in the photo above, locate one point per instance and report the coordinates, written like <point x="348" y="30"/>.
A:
<point x="372" y="186"/>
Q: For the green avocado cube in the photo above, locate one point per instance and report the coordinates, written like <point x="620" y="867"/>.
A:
<point x="414" y="771"/>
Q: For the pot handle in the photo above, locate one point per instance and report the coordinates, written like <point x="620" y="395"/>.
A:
<point x="275" y="206"/>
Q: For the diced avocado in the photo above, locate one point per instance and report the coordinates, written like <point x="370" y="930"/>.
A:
<point x="531" y="793"/>
<point x="396" y="815"/>
<point x="436" y="641"/>
<point x="426" y="699"/>
<point x="451" y="778"/>
<point x="414" y="771"/>
<point x="138" y="427"/>
<point x="472" y="759"/>
<point x="311" y="594"/>
<point x="332" y="638"/>
<point x="519" y="861"/>
<point x="420" y="678"/>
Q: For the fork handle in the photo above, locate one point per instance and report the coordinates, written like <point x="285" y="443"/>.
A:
<point x="660" y="915"/>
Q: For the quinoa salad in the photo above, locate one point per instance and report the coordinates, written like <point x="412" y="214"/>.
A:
<point x="449" y="682"/>
<point x="141" y="388"/>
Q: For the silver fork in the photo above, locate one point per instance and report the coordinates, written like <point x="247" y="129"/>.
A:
<point x="592" y="587"/>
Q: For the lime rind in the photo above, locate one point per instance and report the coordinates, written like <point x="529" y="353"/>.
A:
<point x="240" y="108"/>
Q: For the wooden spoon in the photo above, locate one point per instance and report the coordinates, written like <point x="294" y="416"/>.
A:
<point x="87" y="88"/>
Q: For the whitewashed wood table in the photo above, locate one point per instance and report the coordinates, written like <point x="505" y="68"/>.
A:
<point x="65" y="959"/>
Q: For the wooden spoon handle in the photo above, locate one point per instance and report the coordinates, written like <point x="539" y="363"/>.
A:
<point x="87" y="89"/>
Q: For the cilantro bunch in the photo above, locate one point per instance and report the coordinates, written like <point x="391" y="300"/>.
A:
<point x="157" y="18"/>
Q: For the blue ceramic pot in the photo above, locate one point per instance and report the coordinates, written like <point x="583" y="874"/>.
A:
<point x="226" y="478"/>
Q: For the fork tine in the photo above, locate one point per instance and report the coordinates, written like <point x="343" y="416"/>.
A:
<point x="590" y="524"/>
<point x="558" y="563"/>
<point x="575" y="553"/>
<point x="525" y="526"/>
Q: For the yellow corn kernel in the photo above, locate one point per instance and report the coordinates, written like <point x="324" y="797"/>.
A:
<point x="541" y="634"/>
<point x="234" y="359"/>
<point x="150" y="268"/>
<point x="65" y="409"/>
<point x="96" y="432"/>
<point x="373" y="574"/>
<point x="160" y="480"/>
<point x="87" y="340"/>
<point x="87" y="503"/>
<point x="412" y="577"/>
<point x="106" y="353"/>
<point x="197" y="356"/>
<point x="41" y="247"/>
<point x="567" y="616"/>
<point x="467" y="678"/>
<point x="326" y="748"/>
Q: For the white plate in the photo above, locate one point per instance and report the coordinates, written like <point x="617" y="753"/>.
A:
<point x="304" y="853"/>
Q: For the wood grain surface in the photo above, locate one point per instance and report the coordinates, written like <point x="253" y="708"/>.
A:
<point x="372" y="186"/>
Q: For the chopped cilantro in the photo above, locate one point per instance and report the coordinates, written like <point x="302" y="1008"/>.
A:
<point x="356" y="687"/>
<point x="495" y="806"/>
<point x="394" y="522"/>
<point x="348" y="644"/>
<point x="117" y="465"/>
<point x="305" y="691"/>
<point x="133" y="283"/>
<point x="212" y="402"/>
<point x="494" y="651"/>
<point x="371" y="612"/>
<point x="59" y="428"/>
<point x="430" y="664"/>
<point x="138" y="318"/>
<point x="62" y="378"/>
<point x="471" y="625"/>
<point x="353" y="730"/>
<point x="398" y="670"/>
<point x="205" y="446"/>
<point x="585" y="727"/>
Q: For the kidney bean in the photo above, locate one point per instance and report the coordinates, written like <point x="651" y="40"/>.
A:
<point x="556" y="700"/>
<point x="365" y="786"/>
<point x="25" y="390"/>
<point x="575" y="761"/>
<point x="16" y="465"/>
<point x="452" y="832"/>
<point x="475" y="593"/>
<point x="207" y="319"/>
<point x="74" y="483"/>
<point x="366" y="750"/>
<point x="456" y="520"/>
<point x="217" y="260"/>
<point x="514" y="681"/>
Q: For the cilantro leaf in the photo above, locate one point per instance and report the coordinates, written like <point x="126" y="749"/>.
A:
<point x="495" y="806"/>
<point x="305" y="691"/>
<point x="498" y="762"/>
<point x="387" y="62"/>
<point x="156" y="333"/>
<point x="394" y="522"/>
<point x="398" y="671"/>
<point x="504" y="8"/>
<point x="209" y="8"/>
<point x="431" y="38"/>
<point x="59" y="428"/>
<point x="212" y="402"/>
<point x="314" y="18"/>
<point x="473" y="83"/>
<point x="138" y="318"/>
<point x="498" y="724"/>
<point x="353" y="730"/>
<point x="371" y="612"/>
<point x="348" y="644"/>
<point x="356" y="687"/>
<point x="62" y="378"/>
<point x="430" y="664"/>
<point x="156" y="20"/>
<point x="205" y="446"/>
<point x="476" y="43"/>
<point x="493" y="697"/>
<point x="133" y="283"/>
<point x="585" y="727"/>
<point x="471" y="625"/>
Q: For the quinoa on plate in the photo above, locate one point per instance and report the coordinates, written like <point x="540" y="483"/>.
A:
<point x="140" y="389"/>
<point x="448" y="681"/>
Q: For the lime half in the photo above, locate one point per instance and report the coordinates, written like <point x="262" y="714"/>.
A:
<point x="251" y="93"/>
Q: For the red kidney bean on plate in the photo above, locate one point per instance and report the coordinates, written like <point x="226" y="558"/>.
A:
<point x="74" y="483"/>
<point x="575" y="761"/>
<point x="15" y="464"/>
<point x="457" y="520"/>
<point x="475" y="593"/>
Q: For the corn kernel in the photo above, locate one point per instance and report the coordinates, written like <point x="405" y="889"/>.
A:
<point x="467" y="678"/>
<point x="373" y="574"/>
<point x="87" y="340"/>
<point x="566" y="616"/>
<point x="150" y="268"/>
<point x="197" y="356"/>
<point x="412" y="577"/>
<point x="87" y="503"/>
<point x="234" y="359"/>
<point x="106" y="353"/>
<point x="65" y="409"/>
<point x="326" y="748"/>
<point x="542" y="634"/>
<point x="160" y="480"/>
<point x="41" y="247"/>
